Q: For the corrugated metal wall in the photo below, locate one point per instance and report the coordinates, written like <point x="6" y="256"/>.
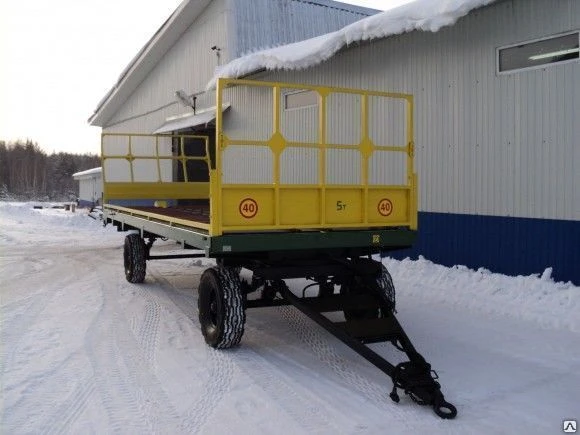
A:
<point x="236" y="27"/>
<point x="188" y="66"/>
<point x="498" y="156"/>
<point x="486" y="144"/>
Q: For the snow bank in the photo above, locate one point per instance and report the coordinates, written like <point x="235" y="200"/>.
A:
<point x="536" y="297"/>
<point x="25" y="213"/>
<point x="427" y="15"/>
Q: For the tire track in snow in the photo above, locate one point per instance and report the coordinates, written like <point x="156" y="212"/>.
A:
<point x="32" y="330"/>
<point x="146" y="324"/>
<point x="17" y="325"/>
<point x="25" y="268"/>
<point x="39" y="396"/>
<point x="267" y="375"/>
<point x="220" y="363"/>
<point x="69" y="411"/>
<point x="308" y="333"/>
<point x="215" y="387"/>
<point x="130" y="393"/>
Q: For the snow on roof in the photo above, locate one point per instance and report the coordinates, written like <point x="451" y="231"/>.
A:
<point x="97" y="170"/>
<point x="425" y="15"/>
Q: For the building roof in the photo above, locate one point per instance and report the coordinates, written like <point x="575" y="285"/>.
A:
<point x="147" y="58"/>
<point x="88" y="172"/>
<point x="427" y="15"/>
<point x="165" y="37"/>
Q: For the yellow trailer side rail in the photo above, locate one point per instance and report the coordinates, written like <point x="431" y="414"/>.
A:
<point x="143" y="166"/>
<point x="280" y="206"/>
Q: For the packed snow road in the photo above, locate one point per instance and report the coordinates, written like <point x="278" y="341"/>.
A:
<point x="84" y="351"/>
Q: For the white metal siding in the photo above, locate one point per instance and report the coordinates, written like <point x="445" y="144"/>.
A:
<point x="91" y="188"/>
<point x="503" y="145"/>
<point x="187" y="66"/>
<point x="235" y="26"/>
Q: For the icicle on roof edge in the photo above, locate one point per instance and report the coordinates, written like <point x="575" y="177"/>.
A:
<point x="427" y="15"/>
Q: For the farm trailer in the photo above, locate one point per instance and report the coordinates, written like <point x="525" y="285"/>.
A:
<point x="294" y="181"/>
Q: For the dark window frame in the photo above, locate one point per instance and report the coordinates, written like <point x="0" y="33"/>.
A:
<point x="536" y="42"/>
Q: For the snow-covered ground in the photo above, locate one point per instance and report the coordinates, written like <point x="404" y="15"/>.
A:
<point x="83" y="351"/>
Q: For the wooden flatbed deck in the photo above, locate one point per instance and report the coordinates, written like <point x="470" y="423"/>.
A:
<point x="195" y="213"/>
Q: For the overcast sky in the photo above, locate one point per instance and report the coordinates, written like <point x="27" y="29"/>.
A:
<point x="60" y="57"/>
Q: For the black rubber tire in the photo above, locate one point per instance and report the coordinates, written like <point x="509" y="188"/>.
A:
<point x="221" y="308"/>
<point x="382" y="285"/>
<point x="357" y="286"/>
<point x="386" y="287"/>
<point x="135" y="258"/>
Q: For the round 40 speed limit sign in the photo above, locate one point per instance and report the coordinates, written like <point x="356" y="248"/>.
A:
<point x="385" y="207"/>
<point x="248" y="208"/>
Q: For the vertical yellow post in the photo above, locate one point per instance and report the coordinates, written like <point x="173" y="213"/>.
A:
<point x="276" y="152"/>
<point x="414" y="201"/>
<point x="157" y="159"/>
<point x="411" y="176"/>
<point x="365" y="155"/>
<point x="215" y="205"/>
<point x="182" y="158"/>
<point x="130" y="158"/>
<point x="323" y="94"/>
<point x="103" y="173"/>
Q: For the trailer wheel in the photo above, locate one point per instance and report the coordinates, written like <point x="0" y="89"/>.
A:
<point x="221" y="307"/>
<point x="381" y="284"/>
<point x="358" y="286"/>
<point x="386" y="287"/>
<point x="134" y="256"/>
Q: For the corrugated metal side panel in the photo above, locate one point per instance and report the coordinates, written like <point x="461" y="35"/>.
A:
<point x="486" y="144"/>
<point x="188" y="65"/>
<point x="267" y="23"/>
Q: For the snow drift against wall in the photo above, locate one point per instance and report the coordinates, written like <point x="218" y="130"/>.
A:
<point x="427" y="15"/>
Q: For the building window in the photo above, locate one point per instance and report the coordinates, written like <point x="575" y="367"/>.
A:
<point x="300" y="99"/>
<point x="539" y="53"/>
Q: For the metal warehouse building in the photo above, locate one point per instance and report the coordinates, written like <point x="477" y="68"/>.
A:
<point x="90" y="187"/>
<point x="496" y="97"/>
<point x="197" y="37"/>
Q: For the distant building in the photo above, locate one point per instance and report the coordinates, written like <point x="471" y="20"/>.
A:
<point x="90" y="187"/>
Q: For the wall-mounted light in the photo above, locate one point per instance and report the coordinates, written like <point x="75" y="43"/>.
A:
<point x="217" y="51"/>
<point x="186" y="100"/>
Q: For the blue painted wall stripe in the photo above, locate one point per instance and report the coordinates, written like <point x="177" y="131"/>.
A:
<point x="512" y="246"/>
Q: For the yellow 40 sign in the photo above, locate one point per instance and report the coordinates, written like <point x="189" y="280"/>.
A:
<point x="248" y="208"/>
<point x="385" y="207"/>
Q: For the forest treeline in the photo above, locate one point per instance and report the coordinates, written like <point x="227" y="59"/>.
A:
<point x="29" y="173"/>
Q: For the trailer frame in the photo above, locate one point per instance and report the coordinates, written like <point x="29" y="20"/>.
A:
<point x="327" y="246"/>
